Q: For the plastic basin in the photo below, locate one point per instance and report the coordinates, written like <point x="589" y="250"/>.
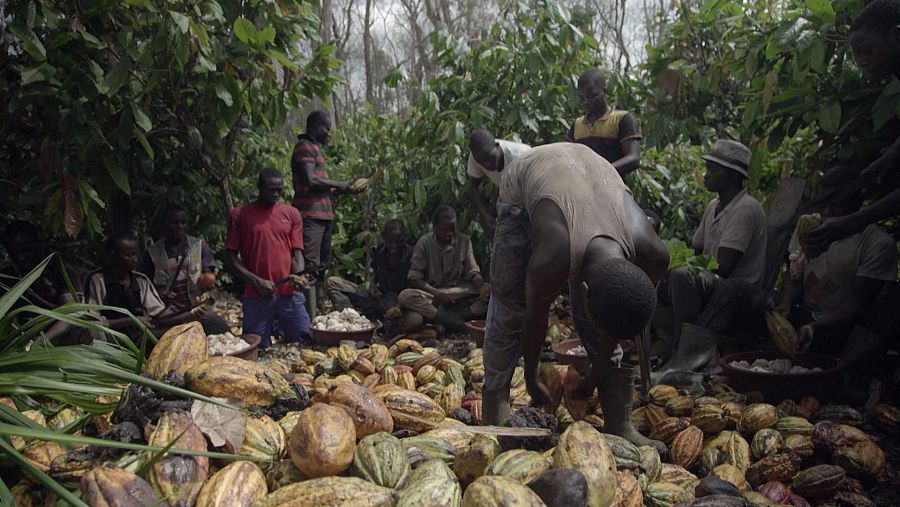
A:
<point x="323" y="337"/>
<point x="777" y="387"/>
<point x="476" y="331"/>
<point x="251" y="352"/>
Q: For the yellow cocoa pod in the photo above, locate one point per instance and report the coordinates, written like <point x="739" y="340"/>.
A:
<point x="323" y="441"/>
<point x="498" y="491"/>
<point x="585" y="449"/>
<point x="239" y="484"/>
<point x="686" y="446"/>
<point x="178" y="349"/>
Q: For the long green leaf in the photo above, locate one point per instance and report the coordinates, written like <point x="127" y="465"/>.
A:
<point x="147" y="465"/>
<point x="56" y="436"/>
<point x="6" y="497"/>
<point x="16" y="292"/>
<point x="37" y="473"/>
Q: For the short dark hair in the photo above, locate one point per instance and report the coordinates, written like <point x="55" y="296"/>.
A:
<point x="19" y="229"/>
<point x="268" y="172"/>
<point x="442" y="213"/>
<point x="621" y="298"/>
<point x="316" y="118"/>
<point x="880" y="15"/>
<point x="112" y="242"/>
<point x="481" y="141"/>
<point x="394" y="225"/>
<point x="174" y="207"/>
<point x="592" y="76"/>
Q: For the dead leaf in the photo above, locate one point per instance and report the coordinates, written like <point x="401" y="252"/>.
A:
<point x="220" y="424"/>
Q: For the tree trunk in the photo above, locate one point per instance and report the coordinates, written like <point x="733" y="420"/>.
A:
<point x="367" y="54"/>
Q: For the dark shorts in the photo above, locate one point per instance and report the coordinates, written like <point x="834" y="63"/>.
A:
<point x="317" y="246"/>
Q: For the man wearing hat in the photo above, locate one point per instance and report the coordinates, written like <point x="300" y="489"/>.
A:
<point x="733" y="231"/>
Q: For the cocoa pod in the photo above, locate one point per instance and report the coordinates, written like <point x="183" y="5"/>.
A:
<point x="776" y="467"/>
<point x="237" y="485"/>
<point x="686" y="447"/>
<point x="106" y="486"/>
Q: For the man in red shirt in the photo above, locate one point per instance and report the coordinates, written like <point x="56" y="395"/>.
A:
<point x="269" y="237"/>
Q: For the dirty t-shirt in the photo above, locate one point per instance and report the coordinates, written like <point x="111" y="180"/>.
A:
<point x="828" y="278"/>
<point x="741" y="226"/>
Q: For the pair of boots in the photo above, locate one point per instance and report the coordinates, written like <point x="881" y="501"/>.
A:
<point x="615" y="393"/>
<point x="696" y="350"/>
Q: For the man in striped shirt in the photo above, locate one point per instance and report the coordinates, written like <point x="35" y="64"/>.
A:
<point x="312" y="197"/>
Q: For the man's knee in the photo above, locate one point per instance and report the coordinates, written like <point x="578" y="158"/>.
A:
<point x="338" y="283"/>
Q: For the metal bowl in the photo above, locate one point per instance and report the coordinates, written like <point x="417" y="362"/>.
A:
<point x="777" y="387"/>
<point x="323" y="337"/>
<point x="476" y="331"/>
<point x="562" y="349"/>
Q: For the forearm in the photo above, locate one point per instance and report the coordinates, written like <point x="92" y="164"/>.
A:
<point x="421" y="284"/>
<point x="298" y="265"/>
<point x="482" y="204"/>
<point x="167" y="320"/>
<point x="882" y="209"/>
<point x="627" y="164"/>
<point x="318" y="184"/>
<point x="57" y="329"/>
<point x="238" y="269"/>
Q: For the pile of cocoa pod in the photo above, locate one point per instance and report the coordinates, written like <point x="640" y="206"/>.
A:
<point x="397" y="426"/>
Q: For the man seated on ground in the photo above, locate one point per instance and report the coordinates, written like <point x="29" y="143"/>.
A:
<point x="567" y="217"/>
<point x="444" y="278"/>
<point x="119" y="285"/>
<point x="487" y="158"/>
<point x="733" y="231"/>
<point x="390" y="267"/>
<point x="182" y="268"/>
<point x="612" y="133"/>
<point x="26" y="249"/>
<point x="831" y="296"/>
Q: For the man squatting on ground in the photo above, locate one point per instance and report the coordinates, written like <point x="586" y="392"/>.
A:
<point x="567" y="216"/>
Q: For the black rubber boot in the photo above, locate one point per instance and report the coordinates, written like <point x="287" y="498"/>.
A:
<point x="616" y="392"/>
<point x="311" y="301"/>
<point x="495" y="407"/>
<point x="862" y="347"/>
<point x="696" y="350"/>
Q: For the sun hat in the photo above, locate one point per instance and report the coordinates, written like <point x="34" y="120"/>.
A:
<point x="730" y="154"/>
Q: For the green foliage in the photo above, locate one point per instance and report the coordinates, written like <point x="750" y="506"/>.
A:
<point x="779" y="76"/>
<point x="154" y="100"/>
<point x="517" y="80"/>
<point x="681" y="255"/>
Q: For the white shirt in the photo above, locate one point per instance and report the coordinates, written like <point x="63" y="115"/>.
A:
<point x="511" y="151"/>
